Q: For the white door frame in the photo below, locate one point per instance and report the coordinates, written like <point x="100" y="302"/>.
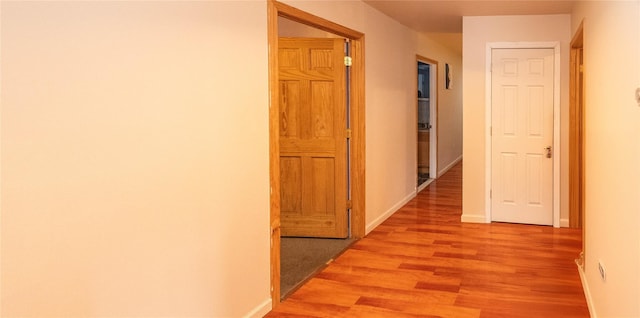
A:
<point x="556" y="120"/>
<point x="433" y="117"/>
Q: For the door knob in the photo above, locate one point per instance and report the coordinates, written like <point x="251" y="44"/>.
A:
<point x="548" y="149"/>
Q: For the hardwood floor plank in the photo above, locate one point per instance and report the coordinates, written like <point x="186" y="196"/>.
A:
<point x="400" y="277"/>
<point x="378" y="312"/>
<point x="423" y="262"/>
<point x="419" y="309"/>
<point x="320" y="290"/>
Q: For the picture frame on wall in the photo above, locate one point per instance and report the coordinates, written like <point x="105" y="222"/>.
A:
<point x="448" y="76"/>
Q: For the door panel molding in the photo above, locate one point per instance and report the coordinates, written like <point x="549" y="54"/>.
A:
<point x="313" y="128"/>
<point x="556" y="120"/>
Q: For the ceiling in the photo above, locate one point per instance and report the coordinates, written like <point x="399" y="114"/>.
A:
<point x="446" y="16"/>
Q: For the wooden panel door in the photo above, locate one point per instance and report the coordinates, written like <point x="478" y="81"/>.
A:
<point x="313" y="140"/>
<point x="522" y="136"/>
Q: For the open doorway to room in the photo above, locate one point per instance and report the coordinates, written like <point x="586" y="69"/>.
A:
<point x="427" y="71"/>
<point x="314" y="177"/>
<point x="297" y="42"/>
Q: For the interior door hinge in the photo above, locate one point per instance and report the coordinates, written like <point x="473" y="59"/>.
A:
<point x="349" y="204"/>
<point x="348" y="133"/>
<point x="347" y="60"/>
<point x="490" y="194"/>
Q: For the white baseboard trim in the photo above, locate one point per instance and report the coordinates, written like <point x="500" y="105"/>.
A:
<point x="388" y="213"/>
<point x="261" y="310"/>
<point x="587" y="293"/>
<point x="564" y="222"/>
<point x="466" y="218"/>
<point x="449" y="166"/>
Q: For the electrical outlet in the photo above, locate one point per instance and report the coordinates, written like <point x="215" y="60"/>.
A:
<point x="603" y="273"/>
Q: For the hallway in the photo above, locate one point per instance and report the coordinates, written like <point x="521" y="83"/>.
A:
<point x="423" y="262"/>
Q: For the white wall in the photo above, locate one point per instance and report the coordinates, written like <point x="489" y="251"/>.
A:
<point x="134" y="157"/>
<point x="612" y="171"/>
<point x="446" y="48"/>
<point x="477" y="32"/>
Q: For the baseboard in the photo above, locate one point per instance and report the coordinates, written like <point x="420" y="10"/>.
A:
<point x="564" y="222"/>
<point x="388" y="213"/>
<point x="261" y="310"/>
<point x="466" y="218"/>
<point x="449" y="166"/>
<point x="587" y="293"/>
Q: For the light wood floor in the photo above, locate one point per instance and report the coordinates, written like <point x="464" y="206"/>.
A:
<point x="422" y="262"/>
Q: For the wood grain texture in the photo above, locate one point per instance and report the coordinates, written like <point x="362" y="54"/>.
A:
<point x="274" y="152"/>
<point x="358" y="138"/>
<point x="576" y="130"/>
<point x="422" y="262"/>
<point x="577" y="136"/>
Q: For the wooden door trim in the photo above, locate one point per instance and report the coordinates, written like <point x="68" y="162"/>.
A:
<point x="423" y="59"/>
<point x="556" y="120"/>
<point x="576" y="138"/>
<point x="577" y="217"/>
<point x="357" y="223"/>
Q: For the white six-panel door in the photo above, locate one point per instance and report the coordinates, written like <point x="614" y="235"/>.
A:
<point x="522" y="135"/>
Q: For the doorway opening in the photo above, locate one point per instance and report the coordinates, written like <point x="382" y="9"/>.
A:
<point x="427" y="71"/>
<point x="314" y="152"/>
<point x="285" y="166"/>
